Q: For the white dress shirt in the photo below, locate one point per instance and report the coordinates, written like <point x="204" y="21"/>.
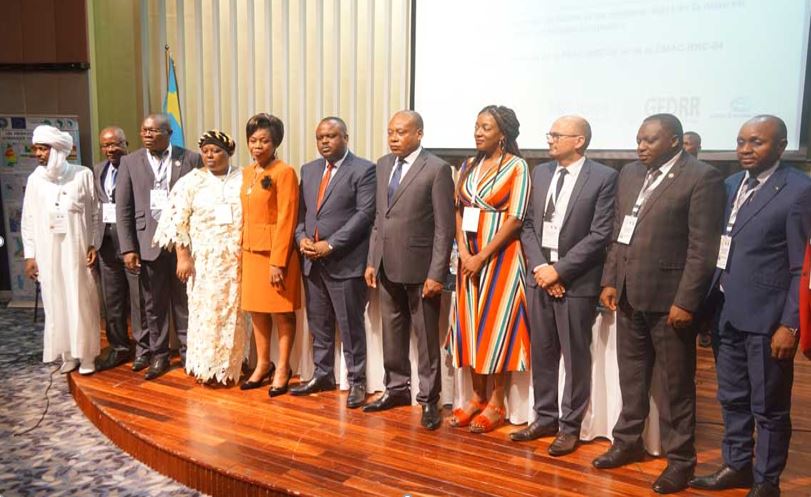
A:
<point x="562" y="203"/>
<point x="335" y="166"/>
<point x="407" y="162"/>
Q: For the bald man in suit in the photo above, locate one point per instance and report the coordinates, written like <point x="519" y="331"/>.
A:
<point x="573" y="198"/>
<point x="408" y="260"/>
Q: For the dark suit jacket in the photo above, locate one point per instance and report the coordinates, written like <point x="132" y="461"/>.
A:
<point x="672" y="254"/>
<point x="586" y="229"/>
<point x="762" y="277"/>
<point x="100" y="172"/>
<point x="135" y="224"/>
<point x="345" y="217"/>
<point x="412" y="238"/>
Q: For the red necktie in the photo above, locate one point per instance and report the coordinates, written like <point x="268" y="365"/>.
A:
<point x="322" y="188"/>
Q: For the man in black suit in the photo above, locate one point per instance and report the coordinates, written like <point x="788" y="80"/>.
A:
<point x="565" y="234"/>
<point x="667" y="226"/>
<point x="768" y="224"/>
<point x="336" y="212"/>
<point x="121" y="293"/>
<point x="142" y="193"/>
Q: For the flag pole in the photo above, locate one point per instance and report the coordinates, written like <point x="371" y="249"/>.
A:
<point x="166" y="64"/>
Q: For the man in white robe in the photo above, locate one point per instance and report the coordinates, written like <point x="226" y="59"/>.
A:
<point x="60" y="235"/>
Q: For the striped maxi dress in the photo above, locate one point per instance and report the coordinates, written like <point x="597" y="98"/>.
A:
<point x="490" y="328"/>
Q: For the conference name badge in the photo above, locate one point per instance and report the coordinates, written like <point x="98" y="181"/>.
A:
<point x="550" y="236"/>
<point x="222" y="214"/>
<point x="723" y="252"/>
<point x="158" y="199"/>
<point x="108" y="212"/>
<point x="57" y="222"/>
<point x="470" y="219"/>
<point x="627" y="230"/>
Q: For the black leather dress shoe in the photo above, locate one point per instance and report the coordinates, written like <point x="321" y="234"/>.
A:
<point x="535" y="430"/>
<point x="564" y="443"/>
<point x="276" y="391"/>
<point x="111" y="358"/>
<point x="140" y="363"/>
<point x="764" y="489"/>
<point x="673" y="479"/>
<point x="157" y="368"/>
<point x="430" y="420"/>
<point x="387" y="401"/>
<point x="315" y="385"/>
<point x="357" y="396"/>
<point x="724" y="478"/>
<point x="618" y="456"/>
<point x="250" y="385"/>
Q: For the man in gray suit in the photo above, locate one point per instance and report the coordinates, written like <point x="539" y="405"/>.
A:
<point x="409" y="254"/>
<point x="565" y="234"/>
<point x="145" y="178"/>
<point x="121" y="293"/>
<point x="336" y="212"/>
<point x="667" y="227"/>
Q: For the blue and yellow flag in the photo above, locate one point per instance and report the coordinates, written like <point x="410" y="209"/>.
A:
<point x="171" y="106"/>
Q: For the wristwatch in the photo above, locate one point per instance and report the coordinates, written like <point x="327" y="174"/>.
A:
<point x="794" y="331"/>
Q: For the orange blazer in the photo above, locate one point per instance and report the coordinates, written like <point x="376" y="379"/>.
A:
<point x="270" y="200"/>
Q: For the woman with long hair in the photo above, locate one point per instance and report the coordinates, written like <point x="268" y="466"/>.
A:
<point x="490" y="330"/>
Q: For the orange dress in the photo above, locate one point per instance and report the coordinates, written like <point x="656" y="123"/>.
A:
<point x="270" y="200"/>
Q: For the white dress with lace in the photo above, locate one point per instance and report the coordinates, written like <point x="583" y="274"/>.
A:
<point x="198" y="218"/>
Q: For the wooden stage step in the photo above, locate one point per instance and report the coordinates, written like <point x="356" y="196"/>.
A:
<point x="226" y="442"/>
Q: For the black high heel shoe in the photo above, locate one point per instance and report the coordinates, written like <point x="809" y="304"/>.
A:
<point x="276" y="391"/>
<point x="250" y="385"/>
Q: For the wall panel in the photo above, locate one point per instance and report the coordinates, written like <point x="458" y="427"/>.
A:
<point x="298" y="59"/>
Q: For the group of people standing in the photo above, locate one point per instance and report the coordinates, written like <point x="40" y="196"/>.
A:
<point x="662" y="243"/>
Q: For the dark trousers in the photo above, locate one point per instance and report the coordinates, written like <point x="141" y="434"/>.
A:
<point x="341" y="301"/>
<point x="650" y="350"/>
<point x="754" y="390"/>
<point x="121" y="294"/>
<point x="404" y="309"/>
<point x="163" y="293"/>
<point x="561" y="326"/>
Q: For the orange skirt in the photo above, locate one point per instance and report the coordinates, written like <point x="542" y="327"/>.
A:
<point x="257" y="293"/>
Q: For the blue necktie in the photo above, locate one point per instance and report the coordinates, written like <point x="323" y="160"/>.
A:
<point x="395" y="179"/>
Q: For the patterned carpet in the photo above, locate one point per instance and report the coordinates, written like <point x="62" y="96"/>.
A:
<point x="65" y="455"/>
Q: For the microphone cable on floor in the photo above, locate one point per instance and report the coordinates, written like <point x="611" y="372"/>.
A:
<point x="47" y="405"/>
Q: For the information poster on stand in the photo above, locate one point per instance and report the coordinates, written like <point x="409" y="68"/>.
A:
<point x="17" y="163"/>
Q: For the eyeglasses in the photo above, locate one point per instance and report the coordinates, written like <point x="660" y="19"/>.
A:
<point x="152" y="131"/>
<point x="553" y="137"/>
<point x="109" y="146"/>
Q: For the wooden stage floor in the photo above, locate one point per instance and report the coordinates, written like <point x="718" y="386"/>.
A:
<point x="226" y="442"/>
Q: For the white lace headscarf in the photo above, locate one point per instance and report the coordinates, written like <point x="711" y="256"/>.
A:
<point x="61" y="144"/>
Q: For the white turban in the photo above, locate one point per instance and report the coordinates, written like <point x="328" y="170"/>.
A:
<point x="61" y="144"/>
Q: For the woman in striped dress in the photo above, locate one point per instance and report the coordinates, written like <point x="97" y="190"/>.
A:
<point x="490" y="330"/>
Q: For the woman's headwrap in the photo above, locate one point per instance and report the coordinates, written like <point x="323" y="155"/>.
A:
<point x="218" y="138"/>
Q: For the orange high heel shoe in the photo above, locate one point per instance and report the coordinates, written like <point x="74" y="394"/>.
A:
<point x="459" y="418"/>
<point x="483" y="424"/>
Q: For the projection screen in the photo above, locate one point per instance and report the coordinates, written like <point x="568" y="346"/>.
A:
<point x="713" y="63"/>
